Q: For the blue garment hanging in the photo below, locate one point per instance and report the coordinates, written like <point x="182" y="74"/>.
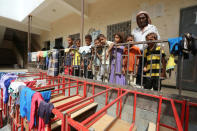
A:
<point x="175" y="45"/>
<point x="25" y="102"/>
<point x="46" y="95"/>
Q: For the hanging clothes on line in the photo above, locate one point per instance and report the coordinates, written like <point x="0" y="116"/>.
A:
<point x="170" y="64"/>
<point x="36" y="99"/>
<point x="5" y="83"/>
<point x="53" y="66"/>
<point x="45" y="113"/>
<point x="175" y="45"/>
<point x="25" y="102"/>
<point x="34" y="56"/>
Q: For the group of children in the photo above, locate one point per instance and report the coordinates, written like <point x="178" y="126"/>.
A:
<point x="115" y="62"/>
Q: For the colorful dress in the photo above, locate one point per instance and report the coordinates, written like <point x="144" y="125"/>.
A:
<point x="116" y="76"/>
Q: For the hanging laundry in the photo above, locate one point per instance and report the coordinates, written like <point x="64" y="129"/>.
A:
<point x="34" y="56"/>
<point x="39" y="55"/>
<point x="19" y="92"/>
<point x="41" y="83"/>
<point x="36" y="99"/>
<point x="46" y="95"/>
<point x="45" y="54"/>
<point x="14" y="86"/>
<point x="5" y="83"/>
<point x="175" y="45"/>
<point x="47" y="61"/>
<point x="25" y="102"/>
<point x="170" y="64"/>
<point x="29" y="57"/>
<point x="14" y="93"/>
<point x="45" y="111"/>
<point x="53" y="63"/>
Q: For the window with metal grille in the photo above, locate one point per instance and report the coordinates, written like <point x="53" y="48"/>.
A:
<point x="123" y="27"/>
<point x="75" y="36"/>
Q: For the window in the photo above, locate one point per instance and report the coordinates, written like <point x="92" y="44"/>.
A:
<point x="124" y="27"/>
<point x="59" y="43"/>
<point x="47" y="45"/>
<point x="75" y="36"/>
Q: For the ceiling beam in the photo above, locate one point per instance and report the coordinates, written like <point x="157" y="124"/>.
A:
<point x="38" y="23"/>
<point x="75" y="5"/>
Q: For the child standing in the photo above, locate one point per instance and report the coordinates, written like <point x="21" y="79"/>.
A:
<point x="77" y="58"/>
<point x="132" y="60"/>
<point x="153" y="71"/>
<point x="116" y="75"/>
<point x="68" y="57"/>
<point x="104" y="61"/>
<point x="97" y="50"/>
<point x="86" y="63"/>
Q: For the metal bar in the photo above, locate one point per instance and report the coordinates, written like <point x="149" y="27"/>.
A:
<point x="115" y="64"/>
<point x="65" y="88"/>
<point x="84" y="89"/>
<point x="151" y="62"/>
<point x="82" y="21"/>
<point x="93" y="91"/>
<point x="63" y="127"/>
<point x="183" y="112"/>
<point x="131" y="127"/>
<point x="103" y="109"/>
<point x="143" y="42"/>
<point x="120" y="101"/>
<point x="69" y="88"/>
<point x="187" y="117"/>
<point x="105" y="70"/>
<point x="128" y="63"/>
<point x="29" y="37"/>
<point x="159" y="80"/>
<point x="77" y="125"/>
<point x="159" y="113"/>
<point x="63" y="99"/>
<point x="58" y="83"/>
<point x="169" y="127"/>
<point x="94" y="62"/>
<point x="176" y="116"/>
<point x="78" y="107"/>
<point x="142" y="73"/>
<point x="77" y="92"/>
<point x="83" y="100"/>
<point x="181" y="75"/>
<point x="117" y="106"/>
<point x="134" y="106"/>
<point x="95" y="120"/>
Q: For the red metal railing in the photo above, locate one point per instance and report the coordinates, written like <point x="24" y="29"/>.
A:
<point x="64" y="83"/>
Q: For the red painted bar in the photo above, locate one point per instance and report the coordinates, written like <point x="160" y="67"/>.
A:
<point x="176" y="116"/>
<point x="159" y="113"/>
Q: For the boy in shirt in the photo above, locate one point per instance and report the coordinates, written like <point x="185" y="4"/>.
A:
<point x="104" y="61"/>
<point x="153" y="71"/>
